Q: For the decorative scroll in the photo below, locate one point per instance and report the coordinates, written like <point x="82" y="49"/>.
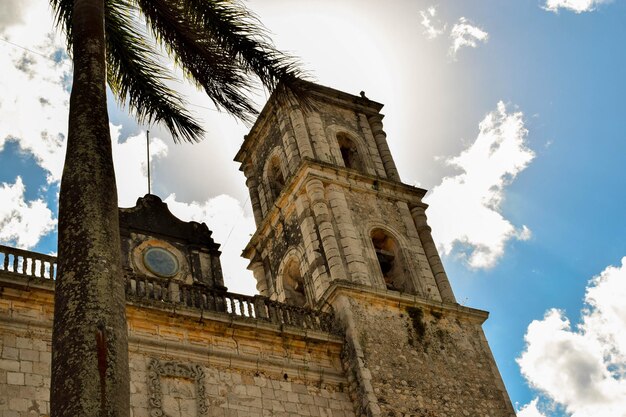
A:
<point x="157" y="370"/>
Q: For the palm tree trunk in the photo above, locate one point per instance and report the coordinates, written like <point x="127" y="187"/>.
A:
<point x="89" y="343"/>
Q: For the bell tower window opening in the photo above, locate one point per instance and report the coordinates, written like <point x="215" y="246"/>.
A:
<point x="293" y="284"/>
<point x="390" y="261"/>
<point x="349" y="152"/>
<point x="275" y="177"/>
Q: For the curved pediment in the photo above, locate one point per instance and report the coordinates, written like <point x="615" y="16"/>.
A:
<point x="152" y="216"/>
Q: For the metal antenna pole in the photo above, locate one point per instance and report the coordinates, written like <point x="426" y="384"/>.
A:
<point x="148" y="158"/>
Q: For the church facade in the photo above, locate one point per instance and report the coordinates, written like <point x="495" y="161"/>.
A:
<point x="355" y="314"/>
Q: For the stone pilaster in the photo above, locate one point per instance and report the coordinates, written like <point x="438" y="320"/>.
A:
<point x="289" y="142"/>
<point x="376" y="122"/>
<point x="252" y="185"/>
<point x="312" y="246"/>
<point x="316" y="193"/>
<point x="351" y="245"/>
<point x="318" y="137"/>
<point x="441" y="278"/>
<point x="302" y="137"/>
<point x="379" y="168"/>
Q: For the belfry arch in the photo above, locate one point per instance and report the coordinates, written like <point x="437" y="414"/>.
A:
<point x="290" y="283"/>
<point x="350" y="153"/>
<point x="391" y="261"/>
<point x="275" y="174"/>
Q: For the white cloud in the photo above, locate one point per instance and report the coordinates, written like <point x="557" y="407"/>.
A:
<point x="431" y="29"/>
<point x="129" y="159"/>
<point x="12" y="12"/>
<point x="464" y="211"/>
<point x="583" y="368"/>
<point x="576" y="6"/>
<point x="231" y="228"/>
<point x="34" y="100"/>
<point x="530" y="410"/>
<point x="465" y="34"/>
<point x="22" y="223"/>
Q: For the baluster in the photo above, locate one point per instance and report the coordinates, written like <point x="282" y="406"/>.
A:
<point x="15" y="263"/>
<point x="41" y="269"/>
<point x="220" y="303"/>
<point x="260" y="308"/>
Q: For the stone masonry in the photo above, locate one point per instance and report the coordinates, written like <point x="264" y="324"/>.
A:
<point x="355" y="314"/>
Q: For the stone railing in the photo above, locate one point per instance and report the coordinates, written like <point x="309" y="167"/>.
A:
<point x="25" y="263"/>
<point x="144" y="289"/>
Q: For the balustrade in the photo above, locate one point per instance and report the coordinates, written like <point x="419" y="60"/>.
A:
<point x="143" y="289"/>
<point x="26" y="263"/>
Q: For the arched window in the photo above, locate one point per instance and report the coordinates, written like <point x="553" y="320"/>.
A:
<point x="293" y="284"/>
<point x="391" y="262"/>
<point x="275" y="177"/>
<point x="349" y="152"/>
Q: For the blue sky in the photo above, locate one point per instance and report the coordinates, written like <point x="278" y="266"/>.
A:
<point x="519" y="134"/>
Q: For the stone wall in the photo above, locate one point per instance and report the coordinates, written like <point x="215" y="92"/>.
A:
<point x="412" y="357"/>
<point x="183" y="361"/>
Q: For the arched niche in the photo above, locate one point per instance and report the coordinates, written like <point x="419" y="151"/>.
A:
<point x="274" y="174"/>
<point x="350" y="153"/>
<point x="291" y="284"/>
<point x="391" y="260"/>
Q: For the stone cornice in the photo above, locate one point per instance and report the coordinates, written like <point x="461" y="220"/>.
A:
<point x="319" y="93"/>
<point x="375" y="296"/>
<point x="331" y="174"/>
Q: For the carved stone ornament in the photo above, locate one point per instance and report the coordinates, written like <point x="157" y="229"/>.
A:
<point x="157" y="369"/>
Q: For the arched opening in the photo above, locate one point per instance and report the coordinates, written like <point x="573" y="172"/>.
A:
<point x="293" y="284"/>
<point x="275" y="177"/>
<point x="349" y="152"/>
<point x="391" y="262"/>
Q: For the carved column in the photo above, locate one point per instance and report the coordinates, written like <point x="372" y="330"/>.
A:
<point x="318" y="137"/>
<point x="259" y="274"/>
<point x="252" y="185"/>
<point x="315" y="191"/>
<point x="302" y="136"/>
<point x="289" y="142"/>
<point x="351" y="244"/>
<point x="441" y="278"/>
<point x="376" y="122"/>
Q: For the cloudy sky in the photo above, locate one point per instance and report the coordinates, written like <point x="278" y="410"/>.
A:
<point x="510" y="112"/>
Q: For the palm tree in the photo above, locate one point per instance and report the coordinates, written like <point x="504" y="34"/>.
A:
<point x="219" y="45"/>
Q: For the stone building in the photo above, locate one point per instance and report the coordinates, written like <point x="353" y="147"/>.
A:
<point x="355" y="315"/>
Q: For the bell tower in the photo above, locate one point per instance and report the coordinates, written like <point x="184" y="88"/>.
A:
<point x="329" y="204"/>
<point x="337" y="229"/>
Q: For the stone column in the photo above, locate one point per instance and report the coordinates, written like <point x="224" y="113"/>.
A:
<point x="351" y="243"/>
<point x="370" y="142"/>
<point x="318" y="137"/>
<point x="312" y="247"/>
<point x="376" y="122"/>
<point x="252" y="185"/>
<point x="441" y="278"/>
<point x="259" y="274"/>
<point x="289" y="142"/>
<point x="316" y="193"/>
<point x="302" y="136"/>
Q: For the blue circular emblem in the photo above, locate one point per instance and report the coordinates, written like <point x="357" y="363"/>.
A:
<point x="160" y="262"/>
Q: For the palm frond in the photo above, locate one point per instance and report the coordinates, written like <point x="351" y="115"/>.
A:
<point x="63" y="19"/>
<point x="239" y="31"/>
<point x="134" y="73"/>
<point x="202" y="59"/>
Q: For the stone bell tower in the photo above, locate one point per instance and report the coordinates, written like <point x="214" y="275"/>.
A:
<point x="336" y="228"/>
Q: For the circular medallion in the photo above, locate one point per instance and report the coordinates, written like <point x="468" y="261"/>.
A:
<point x="160" y="262"/>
